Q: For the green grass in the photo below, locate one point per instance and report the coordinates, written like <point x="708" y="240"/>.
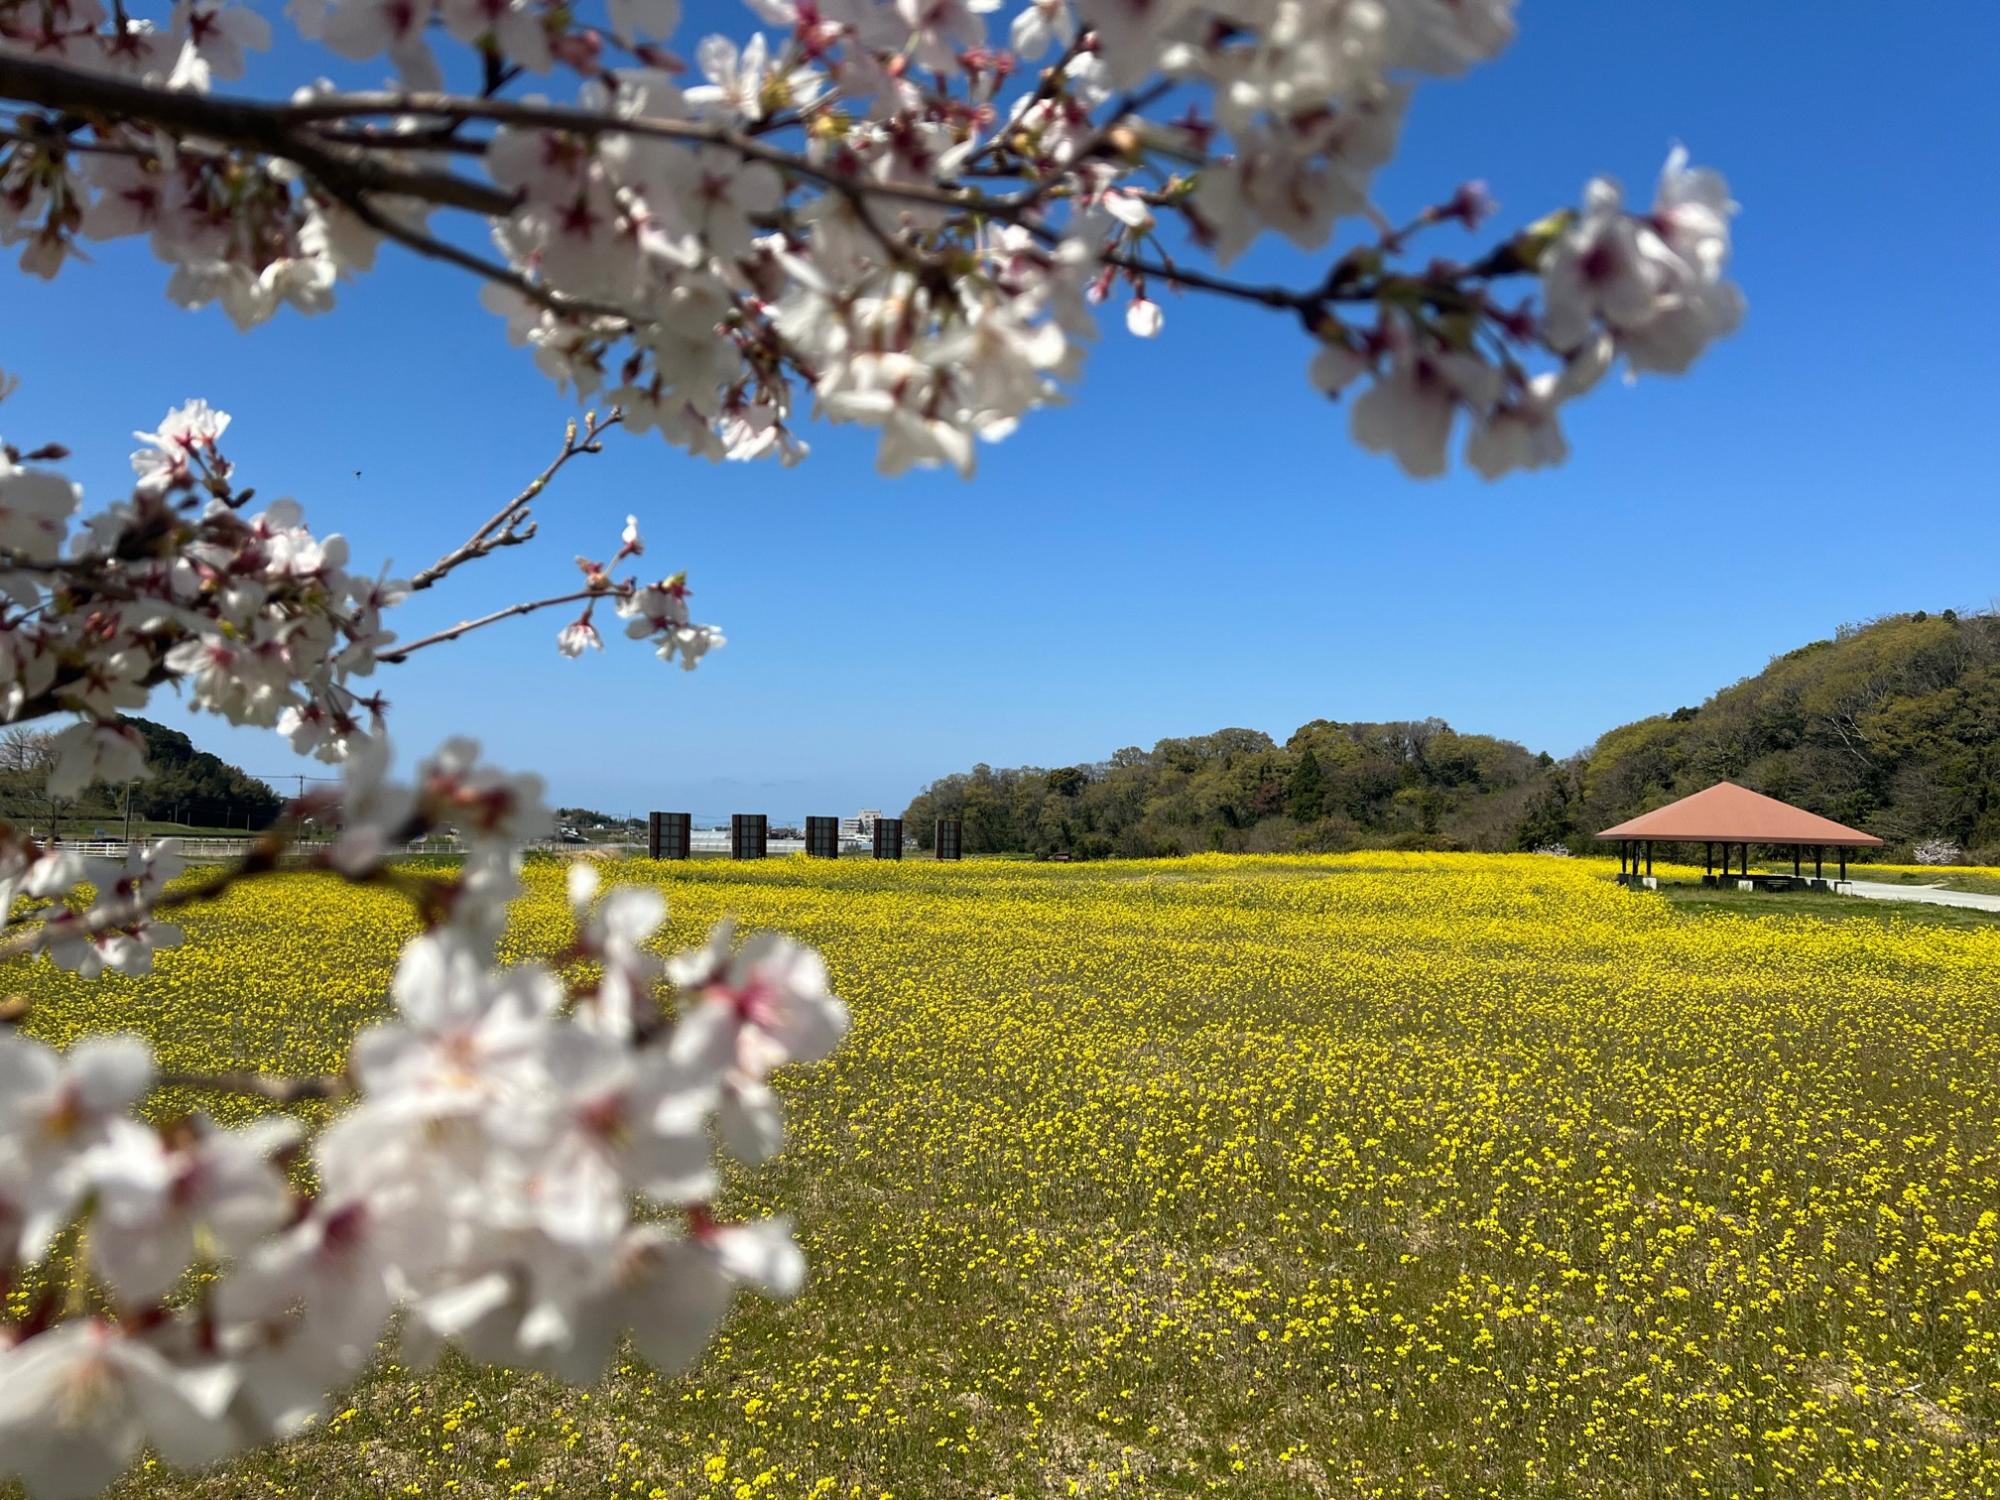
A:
<point x="1985" y="882"/>
<point x="1822" y="905"/>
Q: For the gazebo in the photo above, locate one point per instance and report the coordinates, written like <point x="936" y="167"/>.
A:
<point x="1732" y="815"/>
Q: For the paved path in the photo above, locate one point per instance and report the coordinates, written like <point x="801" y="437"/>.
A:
<point x="1878" y="890"/>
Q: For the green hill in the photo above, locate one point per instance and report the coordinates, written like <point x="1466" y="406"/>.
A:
<point x="1893" y="726"/>
<point x="187" y="788"/>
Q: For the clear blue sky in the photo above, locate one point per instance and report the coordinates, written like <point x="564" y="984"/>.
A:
<point x="1194" y="543"/>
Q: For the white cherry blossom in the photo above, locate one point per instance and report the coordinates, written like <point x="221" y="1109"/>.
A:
<point x="155" y="1195"/>
<point x="78" y="1402"/>
<point x="756" y="1007"/>
<point x="35" y="507"/>
<point x="185" y="439"/>
<point x="1409" y="412"/>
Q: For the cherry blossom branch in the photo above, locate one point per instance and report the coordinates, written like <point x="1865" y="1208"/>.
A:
<point x="241" y="122"/>
<point x="505" y="528"/>
<point x="1094" y="147"/>
<point x="432" y="248"/>
<point x="466" y="627"/>
<point x="283" y="130"/>
<point x="588" y="122"/>
<point x="272" y="129"/>
<point x="738" y="248"/>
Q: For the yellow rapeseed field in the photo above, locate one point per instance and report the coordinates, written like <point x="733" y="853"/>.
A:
<point x="1398" y="1175"/>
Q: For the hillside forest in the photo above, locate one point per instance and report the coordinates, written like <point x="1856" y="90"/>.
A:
<point x="187" y="787"/>
<point x="1892" y="726"/>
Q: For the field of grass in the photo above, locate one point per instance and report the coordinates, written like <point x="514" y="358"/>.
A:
<point x="1951" y="877"/>
<point x="1392" y="1175"/>
<point x="1727" y="901"/>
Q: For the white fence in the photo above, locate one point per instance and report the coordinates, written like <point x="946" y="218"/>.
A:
<point x="700" y="841"/>
<point x="713" y="841"/>
<point x="225" y="848"/>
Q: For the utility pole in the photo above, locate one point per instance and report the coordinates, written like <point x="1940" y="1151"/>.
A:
<point x="128" y="817"/>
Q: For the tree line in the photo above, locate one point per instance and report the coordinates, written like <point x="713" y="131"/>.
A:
<point x="1890" y="726"/>
<point x="186" y="786"/>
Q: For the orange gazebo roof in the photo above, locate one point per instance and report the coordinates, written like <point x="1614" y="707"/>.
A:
<point x="1732" y="814"/>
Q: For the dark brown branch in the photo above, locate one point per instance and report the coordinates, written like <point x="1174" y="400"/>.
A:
<point x="1283" y="298"/>
<point x="1339" y="287"/>
<point x="238" y="122"/>
<point x="274" y="130"/>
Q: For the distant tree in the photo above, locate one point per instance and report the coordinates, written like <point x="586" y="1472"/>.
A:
<point x="192" y="786"/>
<point x="1305" y="793"/>
<point x="1550" y="817"/>
<point x="1893" y="725"/>
<point x="26" y="758"/>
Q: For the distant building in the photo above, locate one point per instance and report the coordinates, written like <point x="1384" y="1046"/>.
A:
<point x="861" y="825"/>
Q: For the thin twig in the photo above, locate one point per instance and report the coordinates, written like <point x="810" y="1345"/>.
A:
<point x="500" y="531"/>
<point x="465" y="627"/>
<point x="1031" y="197"/>
<point x="432" y="248"/>
<point x="1053" y="78"/>
<point x="1265" y="296"/>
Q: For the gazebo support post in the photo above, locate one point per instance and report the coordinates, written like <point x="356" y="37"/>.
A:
<point x="1843" y="864"/>
<point x="1795" y="861"/>
<point x="1818" y="873"/>
<point x="1649" y="858"/>
<point x="1708" y="859"/>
